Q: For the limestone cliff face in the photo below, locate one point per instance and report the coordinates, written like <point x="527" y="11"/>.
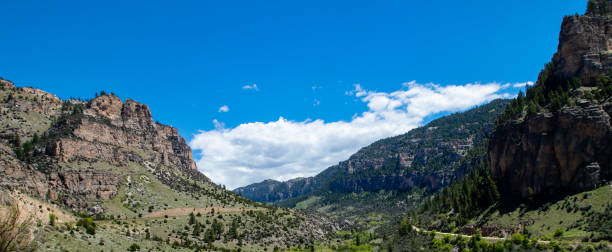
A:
<point x="85" y="147"/>
<point x="567" y="149"/>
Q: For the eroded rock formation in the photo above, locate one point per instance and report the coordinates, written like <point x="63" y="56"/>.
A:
<point x="84" y="148"/>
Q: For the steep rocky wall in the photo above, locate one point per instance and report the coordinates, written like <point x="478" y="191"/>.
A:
<point x="77" y="190"/>
<point x="585" y="47"/>
<point x="108" y="130"/>
<point x="554" y="153"/>
<point x="568" y="149"/>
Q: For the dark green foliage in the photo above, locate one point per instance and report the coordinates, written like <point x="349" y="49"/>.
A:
<point x="599" y="7"/>
<point x="88" y="225"/>
<point x="473" y="193"/>
<point x="24" y="151"/>
<point x="518" y="242"/>
<point x="52" y="219"/>
<point x="604" y="88"/>
<point x="197" y="229"/>
<point x="192" y="219"/>
<point x="558" y="233"/>
<point x="550" y="91"/>
<point x="602" y="224"/>
<point x="209" y="236"/>
<point x="232" y="233"/>
<point x="466" y="199"/>
<point x="217" y="229"/>
<point x="134" y="247"/>
<point x="410" y="241"/>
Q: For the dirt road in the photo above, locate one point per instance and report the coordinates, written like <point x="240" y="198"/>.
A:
<point x="486" y="238"/>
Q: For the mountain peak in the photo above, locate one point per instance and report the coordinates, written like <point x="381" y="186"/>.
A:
<point x="584" y="50"/>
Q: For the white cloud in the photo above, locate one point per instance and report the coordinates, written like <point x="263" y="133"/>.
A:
<point x="285" y="149"/>
<point x="357" y="91"/>
<point x="251" y="87"/>
<point x="522" y="84"/>
<point x="218" y="125"/>
<point x="223" y="109"/>
<point x="316" y="103"/>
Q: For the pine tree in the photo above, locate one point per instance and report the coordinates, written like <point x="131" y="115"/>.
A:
<point x="192" y="219"/>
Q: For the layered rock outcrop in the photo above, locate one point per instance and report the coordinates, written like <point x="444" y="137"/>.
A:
<point x="109" y="129"/>
<point x="83" y="149"/>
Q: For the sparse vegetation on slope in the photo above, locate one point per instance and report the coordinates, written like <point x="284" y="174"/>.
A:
<point x="130" y="183"/>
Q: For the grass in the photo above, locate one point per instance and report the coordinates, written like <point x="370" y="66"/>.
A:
<point x="368" y="210"/>
<point x="306" y="203"/>
<point x="568" y="215"/>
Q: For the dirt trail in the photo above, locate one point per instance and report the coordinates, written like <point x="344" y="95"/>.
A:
<point x="184" y="211"/>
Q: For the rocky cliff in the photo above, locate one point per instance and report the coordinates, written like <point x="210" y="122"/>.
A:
<point x="273" y="191"/>
<point x="554" y="152"/>
<point x="585" y="47"/>
<point x="559" y="139"/>
<point x="76" y="153"/>
<point x="427" y="157"/>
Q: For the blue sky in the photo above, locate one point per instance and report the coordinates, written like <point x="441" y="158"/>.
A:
<point x="187" y="59"/>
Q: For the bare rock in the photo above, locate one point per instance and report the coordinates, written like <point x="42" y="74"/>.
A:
<point x="108" y="106"/>
<point x="543" y="155"/>
<point x="76" y="134"/>
<point x="570" y="149"/>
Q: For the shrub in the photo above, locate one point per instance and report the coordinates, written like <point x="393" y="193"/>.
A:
<point x="558" y="233"/>
<point x="134" y="247"/>
<point x="52" y="219"/>
<point x="88" y="224"/>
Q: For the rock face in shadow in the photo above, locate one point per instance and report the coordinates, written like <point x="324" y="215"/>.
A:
<point x="553" y="153"/>
<point x="564" y="149"/>
<point x="83" y="147"/>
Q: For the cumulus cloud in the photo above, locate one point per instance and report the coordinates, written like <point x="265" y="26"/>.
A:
<point x="223" y="109"/>
<point x="251" y="87"/>
<point x="285" y="149"/>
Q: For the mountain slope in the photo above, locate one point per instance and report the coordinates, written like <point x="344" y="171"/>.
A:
<point x="388" y="177"/>
<point x="549" y="155"/>
<point x="107" y="159"/>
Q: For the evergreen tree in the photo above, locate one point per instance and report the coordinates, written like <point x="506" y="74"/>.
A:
<point x="192" y="219"/>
